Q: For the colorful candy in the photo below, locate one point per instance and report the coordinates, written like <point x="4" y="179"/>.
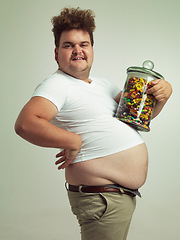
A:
<point x="136" y="106"/>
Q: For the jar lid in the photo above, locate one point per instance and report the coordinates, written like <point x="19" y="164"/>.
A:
<point x="147" y="68"/>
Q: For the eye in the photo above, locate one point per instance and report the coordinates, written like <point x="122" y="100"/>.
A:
<point x="67" y="46"/>
<point x="84" y="45"/>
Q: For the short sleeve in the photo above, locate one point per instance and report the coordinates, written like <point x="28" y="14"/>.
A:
<point x="54" y="89"/>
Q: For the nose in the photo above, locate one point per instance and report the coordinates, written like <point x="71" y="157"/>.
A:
<point x="77" y="49"/>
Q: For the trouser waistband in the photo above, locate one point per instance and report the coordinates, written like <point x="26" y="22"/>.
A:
<point x="104" y="188"/>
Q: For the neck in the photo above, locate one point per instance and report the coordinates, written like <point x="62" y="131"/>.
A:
<point x="84" y="76"/>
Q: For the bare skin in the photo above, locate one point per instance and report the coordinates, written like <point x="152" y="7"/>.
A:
<point x="127" y="168"/>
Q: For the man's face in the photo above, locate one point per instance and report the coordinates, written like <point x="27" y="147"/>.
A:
<point x="75" y="53"/>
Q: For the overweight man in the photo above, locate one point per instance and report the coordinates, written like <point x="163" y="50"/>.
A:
<point x="105" y="160"/>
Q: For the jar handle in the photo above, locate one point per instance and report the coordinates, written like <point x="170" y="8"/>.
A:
<point x="148" y="64"/>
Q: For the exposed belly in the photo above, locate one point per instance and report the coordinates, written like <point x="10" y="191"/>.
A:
<point x="127" y="168"/>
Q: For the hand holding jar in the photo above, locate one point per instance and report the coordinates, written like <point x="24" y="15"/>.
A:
<point x="142" y="88"/>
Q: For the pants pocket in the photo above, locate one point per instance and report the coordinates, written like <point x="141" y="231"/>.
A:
<point x="88" y="207"/>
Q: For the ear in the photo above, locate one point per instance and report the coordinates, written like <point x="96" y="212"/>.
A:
<point x="56" y="54"/>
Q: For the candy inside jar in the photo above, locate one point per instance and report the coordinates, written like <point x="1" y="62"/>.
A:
<point x="136" y="106"/>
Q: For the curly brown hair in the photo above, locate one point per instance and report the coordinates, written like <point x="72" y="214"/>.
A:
<point x="73" y="18"/>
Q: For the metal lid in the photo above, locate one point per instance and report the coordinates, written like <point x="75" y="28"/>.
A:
<point x="146" y="68"/>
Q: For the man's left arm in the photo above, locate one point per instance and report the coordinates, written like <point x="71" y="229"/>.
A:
<point x="117" y="98"/>
<point x="161" y="90"/>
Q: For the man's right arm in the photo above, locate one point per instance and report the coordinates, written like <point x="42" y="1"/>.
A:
<point x="33" y="124"/>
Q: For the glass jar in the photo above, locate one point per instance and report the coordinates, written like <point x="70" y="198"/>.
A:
<point x="136" y="106"/>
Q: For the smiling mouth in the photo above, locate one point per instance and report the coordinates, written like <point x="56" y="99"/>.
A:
<point x="77" y="58"/>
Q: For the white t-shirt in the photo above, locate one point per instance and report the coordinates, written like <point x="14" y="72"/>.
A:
<point x="88" y="110"/>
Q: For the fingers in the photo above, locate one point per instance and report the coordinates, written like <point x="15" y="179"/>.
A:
<point x="60" y="154"/>
<point x="63" y="159"/>
<point x="156" y="91"/>
<point x="154" y="82"/>
<point x="160" y="89"/>
<point x="66" y="158"/>
<point x="65" y="164"/>
<point x="60" y="160"/>
<point x="154" y="86"/>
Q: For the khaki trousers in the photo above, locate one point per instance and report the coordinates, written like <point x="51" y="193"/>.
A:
<point x="102" y="216"/>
